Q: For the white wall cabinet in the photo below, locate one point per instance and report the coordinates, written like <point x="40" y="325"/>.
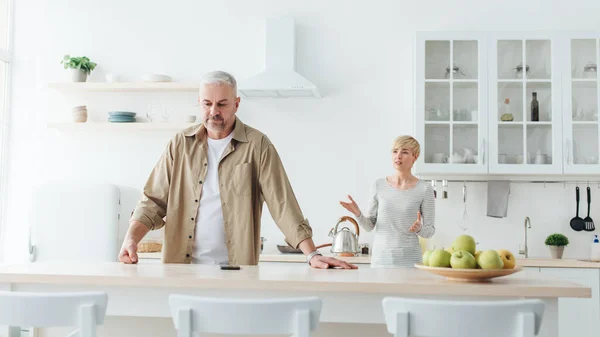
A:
<point x="578" y="316"/>
<point x="476" y="117"/>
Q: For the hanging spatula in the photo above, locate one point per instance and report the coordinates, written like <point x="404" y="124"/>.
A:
<point x="589" y="223"/>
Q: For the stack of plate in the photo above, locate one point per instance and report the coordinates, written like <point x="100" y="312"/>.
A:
<point x="80" y="114"/>
<point x="121" y="117"/>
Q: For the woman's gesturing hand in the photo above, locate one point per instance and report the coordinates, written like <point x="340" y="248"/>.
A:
<point x="351" y="206"/>
<point x="417" y="225"/>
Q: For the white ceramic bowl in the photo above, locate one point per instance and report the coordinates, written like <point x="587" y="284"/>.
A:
<point x="156" y="78"/>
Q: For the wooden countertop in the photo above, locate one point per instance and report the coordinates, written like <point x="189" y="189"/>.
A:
<point x="366" y="259"/>
<point x="401" y="281"/>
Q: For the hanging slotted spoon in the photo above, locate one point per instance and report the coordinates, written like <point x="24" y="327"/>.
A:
<point x="464" y="222"/>
<point x="589" y="223"/>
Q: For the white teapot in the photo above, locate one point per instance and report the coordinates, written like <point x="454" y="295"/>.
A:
<point x="456" y="158"/>
<point x="469" y="155"/>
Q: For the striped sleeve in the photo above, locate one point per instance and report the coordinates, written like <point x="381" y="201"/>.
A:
<point x="427" y="214"/>
<point x="368" y="220"/>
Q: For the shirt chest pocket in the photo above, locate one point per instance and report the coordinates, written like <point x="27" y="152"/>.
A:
<point x="242" y="179"/>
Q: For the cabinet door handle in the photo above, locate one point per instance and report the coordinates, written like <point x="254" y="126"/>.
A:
<point x="483" y="151"/>
<point x="568" y="152"/>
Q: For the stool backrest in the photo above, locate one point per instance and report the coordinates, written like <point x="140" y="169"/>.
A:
<point x="297" y="316"/>
<point x="441" y="318"/>
<point x="83" y="310"/>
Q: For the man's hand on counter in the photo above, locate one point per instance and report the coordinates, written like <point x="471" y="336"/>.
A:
<point x="135" y="234"/>
<point x="325" y="262"/>
<point x="319" y="261"/>
<point x="128" y="252"/>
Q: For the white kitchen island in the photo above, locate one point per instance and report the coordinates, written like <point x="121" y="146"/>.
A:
<point x="349" y="296"/>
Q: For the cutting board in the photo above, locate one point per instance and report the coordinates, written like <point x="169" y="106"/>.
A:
<point x="75" y="221"/>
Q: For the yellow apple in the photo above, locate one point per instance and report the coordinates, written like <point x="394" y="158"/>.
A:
<point x="508" y="258"/>
<point x="477" y="253"/>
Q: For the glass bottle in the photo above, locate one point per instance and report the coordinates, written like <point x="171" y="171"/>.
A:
<point x="535" y="108"/>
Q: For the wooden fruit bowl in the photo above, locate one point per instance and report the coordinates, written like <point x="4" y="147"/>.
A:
<point x="468" y="275"/>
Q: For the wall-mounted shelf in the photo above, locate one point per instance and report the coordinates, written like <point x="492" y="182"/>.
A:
<point x="117" y="127"/>
<point x="125" y="86"/>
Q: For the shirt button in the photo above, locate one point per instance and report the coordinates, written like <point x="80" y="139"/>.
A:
<point x="187" y="255"/>
<point x="205" y="164"/>
<point x="192" y="219"/>
<point x="200" y="181"/>
<point x="190" y="236"/>
<point x="196" y="200"/>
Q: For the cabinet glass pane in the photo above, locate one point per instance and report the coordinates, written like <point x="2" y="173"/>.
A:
<point x="585" y="144"/>
<point x="539" y="144"/>
<point x="465" y="56"/>
<point x="437" y="58"/>
<point x="583" y="58"/>
<point x="437" y="143"/>
<point x="538" y="59"/>
<point x="465" y="102"/>
<point x="437" y="101"/>
<point x="510" y="102"/>
<point x="510" y="144"/>
<point x="584" y="101"/>
<point x="510" y="59"/>
<point x="464" y="144"/>
<point x="543" y="92"/>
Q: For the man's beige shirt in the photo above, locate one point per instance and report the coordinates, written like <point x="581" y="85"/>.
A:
<point x="250" y="173"/>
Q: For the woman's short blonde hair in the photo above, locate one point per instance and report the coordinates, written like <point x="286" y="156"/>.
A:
<point x="407" y="142"/>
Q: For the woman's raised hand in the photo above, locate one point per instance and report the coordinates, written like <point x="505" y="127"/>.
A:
<point x="351" y="206"/>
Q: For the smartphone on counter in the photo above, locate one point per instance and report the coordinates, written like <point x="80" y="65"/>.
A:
<point x="227" y="267"/>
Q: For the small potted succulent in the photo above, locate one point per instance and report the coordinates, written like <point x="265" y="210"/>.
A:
<point x="80" y="67"/>
<point x="557" y="242"/>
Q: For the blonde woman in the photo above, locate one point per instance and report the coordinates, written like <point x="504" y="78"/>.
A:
<point x="401" y="209"/>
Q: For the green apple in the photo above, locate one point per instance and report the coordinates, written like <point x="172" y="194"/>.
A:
<point x="463" y="260"/>
<point x="490" y="259"/>
<point x="426" y="257"/>
<point x="465" y="242"/>
<point x="439" y="258"/>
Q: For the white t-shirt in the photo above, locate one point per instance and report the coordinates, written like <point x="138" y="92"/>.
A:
<point x="209" y="236"/>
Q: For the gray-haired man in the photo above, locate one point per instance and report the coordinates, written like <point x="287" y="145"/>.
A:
<point x="211" y="183"/>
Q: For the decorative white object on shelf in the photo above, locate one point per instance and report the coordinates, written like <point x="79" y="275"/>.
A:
<point x="80" y="114"/>
<point x="112" y="78"/>
<point x="117" y="127"/>
<point x="156" y="78"/>
<point x="126" y="86"/>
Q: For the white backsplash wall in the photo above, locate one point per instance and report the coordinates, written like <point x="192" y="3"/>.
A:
<point x="360" y="54"/>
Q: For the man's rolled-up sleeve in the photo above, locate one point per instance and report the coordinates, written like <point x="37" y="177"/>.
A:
<point x="152" y="207"/>
<point x="277" y="192"/>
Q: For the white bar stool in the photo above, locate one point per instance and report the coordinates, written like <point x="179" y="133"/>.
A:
<point x="42" y="310"/>
<point x="297" y="316"/>
<point x="441" y="318"/>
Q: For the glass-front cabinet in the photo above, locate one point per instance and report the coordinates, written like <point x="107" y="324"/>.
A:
<point x="507" y="103"/>
<point x="524" y="105"/>
<point x="580" y="105"/>
<point x="450" y="105"/>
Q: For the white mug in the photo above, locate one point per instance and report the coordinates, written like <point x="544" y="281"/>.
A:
<point x="540" y="159"/>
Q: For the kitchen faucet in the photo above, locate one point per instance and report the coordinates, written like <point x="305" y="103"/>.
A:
<point x="525" y="251"/>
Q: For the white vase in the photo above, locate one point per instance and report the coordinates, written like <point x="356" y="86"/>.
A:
<point x="78" y="75"/>
<point x="557" y="251"/>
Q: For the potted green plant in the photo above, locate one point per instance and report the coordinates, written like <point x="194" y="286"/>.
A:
<point x="557" y="242"/>
<point x="80" y="67"/>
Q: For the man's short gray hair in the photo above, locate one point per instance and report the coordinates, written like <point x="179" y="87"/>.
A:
<point x="220" y="77"/>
